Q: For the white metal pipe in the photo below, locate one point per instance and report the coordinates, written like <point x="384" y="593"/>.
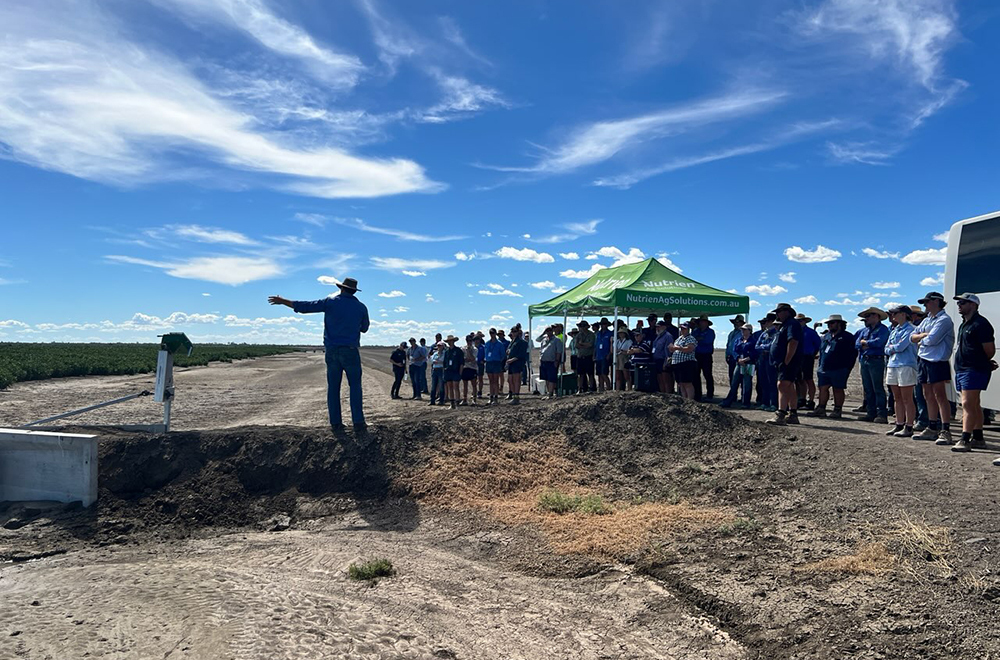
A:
<point x="614" y="353"/>
<point x="87" y="409"/>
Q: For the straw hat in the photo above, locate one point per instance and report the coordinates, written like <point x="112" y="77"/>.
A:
<point x="704" y="317"/>
<point x="450" y="338"/>
<point x="874" y="310"/>
<point x="834" y="317"/>
<point x="803" y="317"/>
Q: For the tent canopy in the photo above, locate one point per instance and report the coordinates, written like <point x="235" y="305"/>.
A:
<point x="641" y="288"/>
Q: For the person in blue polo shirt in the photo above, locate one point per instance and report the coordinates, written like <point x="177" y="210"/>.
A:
<point x="494" y="355"/>
<point x="767" y="376"/>
<point x="344" y="319"/>
<point x="417" y="356"/>
<point x="734" y="336"/>
<point x="810" y="347"/>
<point x="870" y="343"/>
<point x="745" y="354"/>
<point x="703" y="355"/>
<point x="603" y="340"/>
<point x="935" y="339"/>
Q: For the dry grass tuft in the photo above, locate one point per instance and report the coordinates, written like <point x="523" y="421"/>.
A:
<point x="539" y="481"/>
<point x="910" y="547"/>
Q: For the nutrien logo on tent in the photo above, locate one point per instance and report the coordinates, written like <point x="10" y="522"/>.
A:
<point x="608" y="284"/>
<point x="679" y="300"/>
<point x="662" y="284"/>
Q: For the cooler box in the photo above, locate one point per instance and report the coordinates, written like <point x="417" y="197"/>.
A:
<point x="567" y="384"/>
<point x="645" y="378"/>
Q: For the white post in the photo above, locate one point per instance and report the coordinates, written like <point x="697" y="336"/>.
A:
<point x="166" y="415"/>
<point x="614" y="354"/>
<point x="164" y="392"/>
<point x="531" y="345"/>
<point x="565" y="337"/>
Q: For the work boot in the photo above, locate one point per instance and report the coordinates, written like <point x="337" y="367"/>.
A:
<point x="810" y="405"/>
<point x="894" y="430"/>
<point x="867" y="419"/>
<point x="818" y="412"/>
<point x="963" y="445"/>
<point x="793" y="417"/>
<point x="515" y="401"/>
<point x="944" y="438"/>
<point x="338" y="429"/>
<point x="880" y="420"/>
<point x="907" y="432"/>
<point x="927" y="434"/>
<point x="836" y="414"/>
<point x="860" y="409"/>
<point x="777" y="420"/>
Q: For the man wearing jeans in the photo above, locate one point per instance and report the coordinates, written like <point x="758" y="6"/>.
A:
<point x="344" y="319"/>
<point x="417" y="355"/>
<point x="871" y="349"/>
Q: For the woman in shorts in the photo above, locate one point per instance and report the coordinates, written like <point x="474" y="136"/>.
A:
<point x="469" y="371"/>
<point x="622" y="346"/>
<point x="454" y="359"/>
<point x="683" y="361"/>
<point x="517" y="355"/>
<point x="901" y="372"/>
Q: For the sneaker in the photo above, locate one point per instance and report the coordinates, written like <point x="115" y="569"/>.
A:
<point x="962" y="445"/>
<point x="432" y="403"/>
<point x="818" y="412"/>
<point x="944" y="438"/>
<point x="793" y="418"/>
<point x="978" y="443"/>
<point x="881" y="420"/>
<point x="836" y="414"/>
<point x="927" y="434"/>
<point x="515" y="402"/>
<point x="777" y="420"/>
<point x="918" y="428"/>
<point x="905" y="433"/>
<point x="463" y="402"/>
<point x="860" y="409"/>
<point x="996" y="462"/>
<point x="894" y="431"/>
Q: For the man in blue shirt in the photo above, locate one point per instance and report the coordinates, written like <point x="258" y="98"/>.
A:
<point x="767" y="377"/>
<point x="417" y="355"/>
<point x="734" y="336"/>
<point x="810" y="349"/>
<point x="935" y="339"/>
<point x="870" y="344"/>
<point x="787" y="359"/>
<point x="703" y="354"/>
<point x="344" y="319"/>
<point x="602" y="354"/>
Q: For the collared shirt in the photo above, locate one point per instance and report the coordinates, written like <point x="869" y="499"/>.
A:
<point x="454" y="358"/>
<point x="876" y="338"/>
<point x="764" y="339"/>
<point x="649" y="333"/>
<point x="837" y="351"/>
<point x="745" y="348"/>
<point x="901" y="351"/>
<point x="731" y="340"/>
<point x="679" y="356"/>
<point x="417" y="355"/>
<point x="572" y="346"/>
<point x="518" y="350"/>
<point x="602" y="348"/>
<point x="972" y="334"/>
<point x="810" y="341"/>
<point x="779" y="346"/>
<point x="645" y="357"/>
<point x="481" y="353"/>
<point x="660" y="346"/>
<point x="551" y="349"/>
<point x="344" y="318"/>
<point x="706" y="340"/>
<point x="585" y="342"/>
<point x="495" y="351"/>
<point x="398" y="355"/>
<point x="940" y="339"/>
<point x="437" y="358"/>
<point x="622" y="345"/>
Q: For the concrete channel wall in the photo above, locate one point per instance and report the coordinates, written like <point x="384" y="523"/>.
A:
<point x="40" y="465"/>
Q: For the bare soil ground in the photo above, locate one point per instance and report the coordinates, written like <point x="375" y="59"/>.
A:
<point x="721" y="538"/>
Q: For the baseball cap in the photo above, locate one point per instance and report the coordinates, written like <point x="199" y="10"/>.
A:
<point x="933" y="295"/>
<point x="971" y="297"/>
<point x="893" y="309"/>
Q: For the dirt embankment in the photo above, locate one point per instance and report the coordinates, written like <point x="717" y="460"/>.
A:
<point x="801" y="543"/>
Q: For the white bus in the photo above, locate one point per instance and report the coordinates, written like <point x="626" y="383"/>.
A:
<point x="973" y="265"/>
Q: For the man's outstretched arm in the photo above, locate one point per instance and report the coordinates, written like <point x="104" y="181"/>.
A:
<point x="278" y="300"/>
<point x="300" y="306"/>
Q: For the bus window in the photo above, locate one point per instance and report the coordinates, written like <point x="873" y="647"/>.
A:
<point x="978" y="267"/>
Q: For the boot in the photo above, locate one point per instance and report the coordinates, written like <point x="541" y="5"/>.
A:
<point x="880" y="420"/>
<point x="793" y="417"/>
<point x="810" y="405"/>
<point x="836" y="414"/>
<point x="894" y="430"/>
<point x="818" y="412"/>
<point x="944" y="438"/>
<point x="860" y="409"/>
<point x="927" y="434"/>
<point x="963" y="445"/>
<point x="907" y="432"/>
<point x="778" y="419"/>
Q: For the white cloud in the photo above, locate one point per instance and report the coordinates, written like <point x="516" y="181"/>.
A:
<point x="573" y="230"/>
<point x="315" y="219"/>
<point x="819" y="255"/>
<point x="602" y="140"/>
<point x="885" y="285"/>
<point x="429" y="298"/>
<point x="222" y="270"/>
<point x="880" y="254"/>
<point x="207" y="295"/>
<point x="765" y="289"/>
<point x="634" y="255"/>
<point x="234" y="321"/>
<point x="524" y="254"/>
<point x="498" y="290"/>
<point x="414" y="273"/>
<point x="328" y="280"/>
<point x="928" y="257"/>
<point x="545" y="284"/>
<point x="77" y="98"/>
<point x="181" y="318"/>
<point x="754" y="303"/>
<point x="581" y="274"/>
<point x="211" y="235"/>
<point x="391" y="294"/>
<point x="807" y="300"/>
<point x="942" y="237"/>
<point x="865" y="153"/>
<point x="787" y="277"/>
<point x="933" y="281"/>
<point x="401" y="234"/>
<point x="569" y="256"/>
<point x="460" y="98"/>
<point x="397" y="264"/>
<point x="11" y="323"/>
<point x="401" y="310"/>
<point x="559" y="290"/>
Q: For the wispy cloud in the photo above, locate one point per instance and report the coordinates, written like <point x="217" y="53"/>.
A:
<point x="401" y="234"/>
<point x="391" y="294"/>
<point x="787" y="277"/>
<point x="807" y="300"/>
<point x="397" y="264"/>
<point x="211" y="235"/>
<point x="498" y="290"/>
<point x="78" y="98"/>
<point x="885" y="285"/>
<point x="597" y="142"/>
<point x="866" y="153"/>
<point x="879" y="254"/>
<point x="221" y="270"/>
<point x="573" y="230"/>
<point x="460" y="97"/>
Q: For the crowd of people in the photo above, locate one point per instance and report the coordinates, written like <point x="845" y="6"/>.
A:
<point x="786" y="364"/>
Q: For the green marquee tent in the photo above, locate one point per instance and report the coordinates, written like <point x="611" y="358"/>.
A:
<point x="638" y="289"/>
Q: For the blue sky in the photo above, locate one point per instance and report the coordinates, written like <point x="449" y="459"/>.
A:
<point x="168" y="164"/>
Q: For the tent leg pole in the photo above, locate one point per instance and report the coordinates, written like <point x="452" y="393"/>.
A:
<point x="614" y="355"/>
<point x="531" y="344"/>
<point x="565" y="336"/>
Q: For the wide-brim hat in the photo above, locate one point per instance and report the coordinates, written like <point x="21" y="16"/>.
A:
<point x="739" y="320"/>
<point x="450" y="338"/>
<point x="704" y="317"/>
<point x="583" y="323"/>
<point x="349" y="284"/>
<point x="917" y="309"/>
<point x="834" y="317"/>
<point x="746" y="326"/>
<point x="803" y="317"/>
<point x="783" y="307"/>
<point x="874" y="310"/>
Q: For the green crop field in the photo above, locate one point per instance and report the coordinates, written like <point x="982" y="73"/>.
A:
<point x="20" y="362"/>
